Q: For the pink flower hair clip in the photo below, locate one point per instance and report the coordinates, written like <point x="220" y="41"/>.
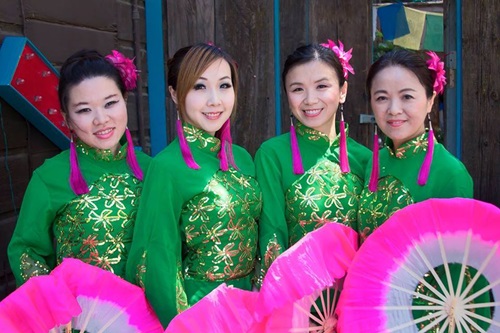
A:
<point x="435" y="64"/>
<point x="126" y="67"/>
<point x="343" y="56"/>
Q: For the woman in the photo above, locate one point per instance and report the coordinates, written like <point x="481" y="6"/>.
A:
<point x="82" y="203"/>
<point x="308" y="176"/>
<point x="402" y="89"/>
<point x="413" y="167"/>
<point x="197" y="227"/>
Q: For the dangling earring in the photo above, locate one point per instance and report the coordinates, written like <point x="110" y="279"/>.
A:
<point x="298" y="168"/>
<point x="425" y="169"/>
<point x="76" y="180"/>
<point x="185" y="151"/>
<point x="344" y="159"/>
<point x="131" y="158"/>
<point x="226" y="149"/>
<point x="372" y="185"/>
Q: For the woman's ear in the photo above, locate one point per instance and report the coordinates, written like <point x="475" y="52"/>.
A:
<point x="431" y="102"/>
<point x="173" y="94"/>
<point x="66" y="120"/>
<point x="343" y="92"/>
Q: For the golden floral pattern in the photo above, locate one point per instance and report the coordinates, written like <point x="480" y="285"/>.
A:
<point x="322" y="195"/>
<point x="97" y="227"/>
<point x="220" y="228"/>
<point x="414" y="146"/>
<point x="376" y="207"/>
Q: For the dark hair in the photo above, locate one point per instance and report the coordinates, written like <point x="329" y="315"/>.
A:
<point x="408" y="60"/>
<point x="85" y="64"/>
<point x="189" y="63"/>
<point x="312" y="52"/>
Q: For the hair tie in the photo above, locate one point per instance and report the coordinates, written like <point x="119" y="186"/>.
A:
<point x="126" y="67"/>
<point x="435" y="64"/>
<point x="342" y="55"/>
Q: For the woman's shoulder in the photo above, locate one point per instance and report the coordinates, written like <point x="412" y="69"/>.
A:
<point x="55" y="165"/>
<point x="277" y="143"/>
<point x="446" y="160"/>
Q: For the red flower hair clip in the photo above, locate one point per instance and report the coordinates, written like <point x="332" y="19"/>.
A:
<point x="343" y="56"/>
<point x="435" y="64"/>
<point x="126" y="67"/>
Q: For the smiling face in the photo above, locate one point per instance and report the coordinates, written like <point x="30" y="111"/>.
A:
<point x="314" y="95"/>
<point x="211" y="100"/>
<point x="400" y="104"/>
<point x="97" y="113"/>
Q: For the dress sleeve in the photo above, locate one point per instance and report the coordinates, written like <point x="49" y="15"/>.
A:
<point x="155" y="257"/>
<point x="458" y="184"/>
<point x="273" y="230"/>
<point x="31" y="250"/>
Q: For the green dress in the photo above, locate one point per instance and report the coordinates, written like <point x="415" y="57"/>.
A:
<point x="95" y="227"/>
<point x="398" y="188"/>
<point x="295" y="205"/>
<point x="195" y="228"/>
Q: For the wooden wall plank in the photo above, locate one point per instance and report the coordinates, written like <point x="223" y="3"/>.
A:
<point x="294" y="26"/>
<point x="481" y="94"/>
<point x="69" y="39"/>
<point x="355" y="30"/>
<point x="7" y="284"/>
<point x="13" y="181"/>
<point x="15" y="126"/>
<point x="245" y="30"/>
<point x="98" y="14"/>
<point x="187" y="22"/>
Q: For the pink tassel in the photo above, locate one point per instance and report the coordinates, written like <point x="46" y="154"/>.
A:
<point x="344" y="160"/>
<point x="425" y="169"/>
<point x="372" y="186"/>
<point x="225" y="155"/>
<point x="186" y="152"/>
<point x="76" y="180"/>
<point x="131" y="158"/>
<point x="298" y="168"/>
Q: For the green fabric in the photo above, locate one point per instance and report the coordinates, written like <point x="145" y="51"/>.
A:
<point x="95" y="227"/>
<point x="195" y="228"/>
<point x="297" y="204"/>
<point x="398" y="188"/>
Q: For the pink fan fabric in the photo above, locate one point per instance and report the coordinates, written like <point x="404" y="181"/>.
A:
<point x="316" y="262"/>
<point x="379" y="263"/>
<point x="110" y="295"/>
<point x="225" y="309"/>
<point x="41" y="304"/>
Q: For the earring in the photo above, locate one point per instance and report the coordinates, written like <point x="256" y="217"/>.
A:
<point x="372" y="185"/>
<point x="298" y="168"/>
<point x="344" y="160"/>
<point x="425" y="169"/>
<point x="185" y="150"/>
<point x="226" y="156"/>
<point x="76" y="180"/>
<point x="131" y="158"/>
